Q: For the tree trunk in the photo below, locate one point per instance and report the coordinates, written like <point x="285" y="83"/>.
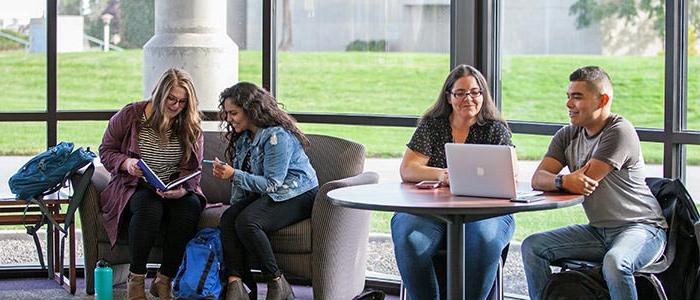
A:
<point x="286" y="40"/>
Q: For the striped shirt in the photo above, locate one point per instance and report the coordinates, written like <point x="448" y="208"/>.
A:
<point x="163" y="160"/>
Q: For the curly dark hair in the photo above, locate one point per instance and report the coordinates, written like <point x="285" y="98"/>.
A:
<point x="261" y="108"/>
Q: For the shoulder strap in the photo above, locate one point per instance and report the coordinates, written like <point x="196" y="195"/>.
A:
<point x="78" y="195"/>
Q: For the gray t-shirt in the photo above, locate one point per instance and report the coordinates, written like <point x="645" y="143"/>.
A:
<point x="622" y="197"/>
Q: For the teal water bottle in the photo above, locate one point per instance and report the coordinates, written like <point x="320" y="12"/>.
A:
<point x="103" y="281"/>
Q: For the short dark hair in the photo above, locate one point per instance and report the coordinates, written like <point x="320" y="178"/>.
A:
<point x="595" y="76"/>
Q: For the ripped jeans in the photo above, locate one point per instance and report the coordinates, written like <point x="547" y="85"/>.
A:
<point x="417" y="239"/>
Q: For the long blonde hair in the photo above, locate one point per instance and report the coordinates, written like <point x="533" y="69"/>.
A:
<point x="188" y="123"/>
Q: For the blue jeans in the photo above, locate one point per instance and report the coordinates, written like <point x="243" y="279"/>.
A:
<point x="623" y="250"/>
<point x="417" y="239"/>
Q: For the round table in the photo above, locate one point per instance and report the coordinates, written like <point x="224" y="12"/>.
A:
<point x="441" y="204"/>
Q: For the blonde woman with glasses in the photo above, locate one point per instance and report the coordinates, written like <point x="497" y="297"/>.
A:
<point x="165" y="132"/>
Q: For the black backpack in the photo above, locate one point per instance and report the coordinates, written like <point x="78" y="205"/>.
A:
<point x="370" y="294"/>
<point x="576" y="284"/>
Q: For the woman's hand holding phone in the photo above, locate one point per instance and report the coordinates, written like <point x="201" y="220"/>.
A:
<point x="220" y="169"/>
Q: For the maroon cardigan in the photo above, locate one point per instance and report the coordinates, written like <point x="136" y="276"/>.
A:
<point x="120" y="142"/>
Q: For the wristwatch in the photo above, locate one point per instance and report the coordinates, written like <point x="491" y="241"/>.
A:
<point x="558" y="181"/>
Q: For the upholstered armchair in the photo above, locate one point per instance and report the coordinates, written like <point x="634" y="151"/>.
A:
<point x="329" y="249"/>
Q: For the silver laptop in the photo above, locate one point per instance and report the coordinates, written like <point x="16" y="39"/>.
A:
<point x="482" y="170"/>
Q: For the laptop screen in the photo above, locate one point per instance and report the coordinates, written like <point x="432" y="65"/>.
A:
<point x="482" y="170"/>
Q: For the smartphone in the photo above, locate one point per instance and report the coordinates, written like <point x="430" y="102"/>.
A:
<point x="211" y="162"/>
<point x="527" y="197"/>
<point x="428" y="184"/>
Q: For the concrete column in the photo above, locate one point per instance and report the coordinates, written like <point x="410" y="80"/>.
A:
<point x="191" y="34"/>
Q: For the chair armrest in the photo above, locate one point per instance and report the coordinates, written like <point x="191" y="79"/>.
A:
<point x="325" y="213"/>
<point x="339" y="242"/>
<point x="91" y="222"/>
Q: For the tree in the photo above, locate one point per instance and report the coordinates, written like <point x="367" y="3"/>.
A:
<point x="593" y="11"/>
<point x="138" y="22"/>
<point x="68" y="7"/>
<point x="286" y="40"/>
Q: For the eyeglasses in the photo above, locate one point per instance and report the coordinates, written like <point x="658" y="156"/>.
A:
<point x="461" y="94"/>
<point x="172" y="100"/>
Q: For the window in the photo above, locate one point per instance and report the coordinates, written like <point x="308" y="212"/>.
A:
<point x="693" y="171"/>
<point x="693" y="105"/>
<point x="536" y="67"/>
<point x="22" y="74"/>
<point x="376" y="57"/>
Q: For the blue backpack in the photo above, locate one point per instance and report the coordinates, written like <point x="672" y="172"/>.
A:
<point x="45" y="173"/>
<point x="198" y="276"/>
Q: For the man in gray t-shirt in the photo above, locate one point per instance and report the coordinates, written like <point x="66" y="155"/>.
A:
<point x="626" y="229"/>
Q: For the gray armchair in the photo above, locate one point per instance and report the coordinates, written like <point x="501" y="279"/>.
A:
<point x="330" y="248"/>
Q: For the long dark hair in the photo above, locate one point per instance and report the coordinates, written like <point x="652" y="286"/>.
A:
<point x="442" y="108"/>
<point x="187" y="124"/>
<point x="262" y="110"/>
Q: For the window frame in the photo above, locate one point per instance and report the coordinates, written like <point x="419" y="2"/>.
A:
<point x="474" y="39"/>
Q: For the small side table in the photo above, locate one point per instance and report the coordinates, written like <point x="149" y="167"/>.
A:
<point x="12" y="212"/>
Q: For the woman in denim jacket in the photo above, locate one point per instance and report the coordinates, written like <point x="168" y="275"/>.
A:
<point x="272" y="185"/>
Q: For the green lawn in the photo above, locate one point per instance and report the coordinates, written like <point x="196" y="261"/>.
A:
<point x="351" y="82"/>
<point x="356" y="82"/>
<point x="525" y="223"/>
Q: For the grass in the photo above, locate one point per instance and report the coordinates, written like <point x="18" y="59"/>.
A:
<point x="526" y="223"/>
<point x="349" y="82"/>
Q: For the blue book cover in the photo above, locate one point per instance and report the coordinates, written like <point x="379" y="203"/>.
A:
<point x="154" y="181"/>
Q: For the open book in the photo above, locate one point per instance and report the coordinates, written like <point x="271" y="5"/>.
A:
<point x="153" y="179"/>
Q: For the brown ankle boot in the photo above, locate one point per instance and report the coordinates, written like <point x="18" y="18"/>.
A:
<point x="162" y="287"/>
<point x="236" y="291"/>
<point x="135" y="288"/>
<point x="279" y="289"/>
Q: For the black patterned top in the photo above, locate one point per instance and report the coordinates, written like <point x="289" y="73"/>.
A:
<point x="432" y="134"/>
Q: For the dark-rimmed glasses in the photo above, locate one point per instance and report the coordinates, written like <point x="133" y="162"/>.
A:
<point x="461" y="94"/>
<point x="172" y="100"/>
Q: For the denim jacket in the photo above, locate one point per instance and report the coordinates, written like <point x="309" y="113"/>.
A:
<point x="279" y="166"/>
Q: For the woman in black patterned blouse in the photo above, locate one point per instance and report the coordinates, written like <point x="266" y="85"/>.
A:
<point x="463" y="113"/>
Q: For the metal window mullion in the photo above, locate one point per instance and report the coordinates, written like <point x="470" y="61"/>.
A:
<point x="269" y="46"/>
<point x="676" y="66"/>
<point x="463" y="36"/>
<point x="51" y="82"/>
<point x="493" y="42"/>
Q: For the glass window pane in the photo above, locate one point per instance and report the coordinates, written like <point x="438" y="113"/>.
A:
<point x="653" y="157"/>
<point x="22" y="138"/>
<point x="693" y="105"/>
<point x="22" y="56"/>
<point x="244" y="19"/>
<point x="82" y="133"/>
<point x="90" y="78"/>
<point x="536" y="67"/>
<point x="19" y="141"/>
<point x="693" y="171"/>
<point x="386" y="56"/>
